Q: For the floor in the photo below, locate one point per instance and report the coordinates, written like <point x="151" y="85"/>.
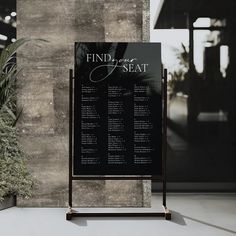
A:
<point x="192" y="214"/>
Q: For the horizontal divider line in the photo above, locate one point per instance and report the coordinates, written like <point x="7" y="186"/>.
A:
<point x="160" y="178"/>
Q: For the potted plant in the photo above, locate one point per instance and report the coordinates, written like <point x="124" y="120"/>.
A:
<point x="178" y="81"/>
<point x="15" y="179"/>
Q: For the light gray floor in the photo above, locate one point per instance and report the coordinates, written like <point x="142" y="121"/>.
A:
<point x="193" y="214"/>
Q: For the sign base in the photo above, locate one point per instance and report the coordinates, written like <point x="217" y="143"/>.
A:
<point x="72" y="213"/>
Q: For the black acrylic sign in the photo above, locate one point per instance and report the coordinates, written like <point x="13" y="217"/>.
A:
<point x="117" y="109"/>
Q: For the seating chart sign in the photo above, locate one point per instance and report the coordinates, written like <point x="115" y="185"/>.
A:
<point x="117" y="109"/>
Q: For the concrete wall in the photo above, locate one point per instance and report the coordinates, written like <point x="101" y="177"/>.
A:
<point x="43" y="92"/>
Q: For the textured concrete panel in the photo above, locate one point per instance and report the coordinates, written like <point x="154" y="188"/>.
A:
<point x="121" y="21"/>
<point x="146" y="21"/>
<point x="38" y="117"/>
<point x="43" y="93"/>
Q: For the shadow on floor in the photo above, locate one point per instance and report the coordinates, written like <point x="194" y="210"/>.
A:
<point x="209" y="224"/>
<point x="177" y="218"/>
<point x="180" y="220"/>
<point x="80" y="221"/>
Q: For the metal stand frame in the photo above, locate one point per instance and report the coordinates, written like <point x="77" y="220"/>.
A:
<point x="162" y="178"/>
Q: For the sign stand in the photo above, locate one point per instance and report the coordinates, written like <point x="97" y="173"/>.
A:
<point x="162" y="178"/>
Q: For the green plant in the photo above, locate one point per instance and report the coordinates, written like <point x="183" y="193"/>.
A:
<point x="15" y="179"/>
<point x="8" y="75"/>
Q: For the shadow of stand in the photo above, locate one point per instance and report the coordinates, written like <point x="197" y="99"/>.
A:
<point x="82" y="221"/>
<point x="209" y="224"/>
<point x="180" y="220"/>
<point x="177" y="218"/>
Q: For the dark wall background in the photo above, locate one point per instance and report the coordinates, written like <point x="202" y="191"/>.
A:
<point x="201" y="106"/>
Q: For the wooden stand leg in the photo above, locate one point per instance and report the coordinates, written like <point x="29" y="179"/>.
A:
<point x="167" y="213"/>
<point x="68" y="216"/>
